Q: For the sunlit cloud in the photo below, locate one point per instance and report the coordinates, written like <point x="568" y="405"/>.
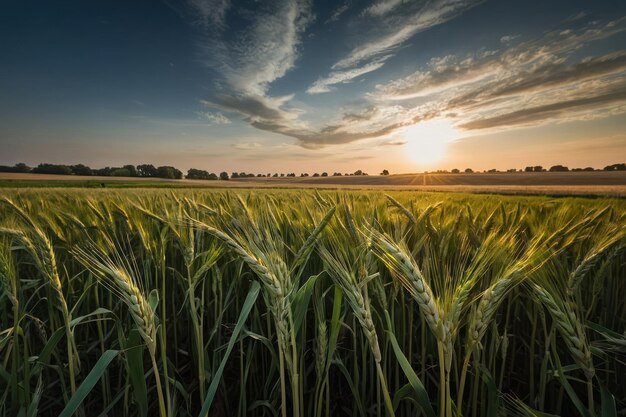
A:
<point x="214" y="118"/>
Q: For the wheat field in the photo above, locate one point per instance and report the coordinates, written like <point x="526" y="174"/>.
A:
<point x="310" y="303"/>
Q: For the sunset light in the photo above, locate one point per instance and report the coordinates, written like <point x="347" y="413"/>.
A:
<point x="427" y="141"/>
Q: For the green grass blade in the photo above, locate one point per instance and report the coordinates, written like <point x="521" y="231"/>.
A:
<point x="301" y="301"/>
<point x="609" y="408"/>
<point x="136" y="373"/>
<point x="245" y="311"/>
<point x="416" y="383"/>
<point x="90" y="381"/>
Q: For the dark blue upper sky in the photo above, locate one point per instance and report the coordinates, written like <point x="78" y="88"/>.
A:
<point x="288" y="84"/>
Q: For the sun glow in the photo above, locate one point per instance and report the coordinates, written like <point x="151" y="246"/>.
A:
<point x="427" y="141"/>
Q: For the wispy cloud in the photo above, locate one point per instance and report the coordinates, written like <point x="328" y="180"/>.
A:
<point x="338" y="12"/>
<point x="250" y="59"/>
<point x="508" y="38"/>
<point x="532" y="115"/>
<point x="214" y="118"/>
<point x="400" y="21"/>
<point x="404" y="23"/>
<point x="382" y="7"/>
<point x="537" y="81"/>
<point x="534" y="82"/>
<point x="324" y="85"/>
<point x="247" y="145"/>
<point x="209" y="13"/>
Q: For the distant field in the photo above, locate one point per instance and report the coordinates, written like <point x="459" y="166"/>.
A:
<point x="548" y="183"/>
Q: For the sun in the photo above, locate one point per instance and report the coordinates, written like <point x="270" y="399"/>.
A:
<point x="427" y="141"/>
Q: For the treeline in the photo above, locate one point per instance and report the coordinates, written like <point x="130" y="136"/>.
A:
<point x="144" y="170"/>
<point x="150" y="171"/>
<point x="536" y="168"/>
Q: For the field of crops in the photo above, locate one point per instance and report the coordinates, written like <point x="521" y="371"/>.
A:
<point x="310" y="303"/>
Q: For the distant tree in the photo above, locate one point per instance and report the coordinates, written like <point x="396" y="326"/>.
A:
<point x="146" y="170"/>
<point x="558" y="168"/>
<point x="316" y="175"/>
<point x="81" y="169"/>
<point x="337" y="174"/>
<point x="169" y="172"/>
<point x="358" y="172"/>
<point x="22" y="167"/>
<point x="234" y="175"/>
<point x="528" y="169"/>
<point x="304" y="174"/>
<point x="292" y="174"/>
<point x="385" y="172"/>
<point x="468" y="170"/>
<point x="103" y="172"/>
<point x="52" y="169"/>
<point x="259" y="175"/>
<point x="132" y="170"/>
<point x="198" y="174"/>
<point x="538" y="168"/>
<point x="324" y="174"/>
<point x="120" y="172"/>
<point x="275" y="175"/>
<point x="588" y="169"/>
<point x="223" y="175"/>
<point x="493" y="170"/>
<point x="282" y="174"/>
<point x="615" y="167"/>
<point x="455" y="171"/>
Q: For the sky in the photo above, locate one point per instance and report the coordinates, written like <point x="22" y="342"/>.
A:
<point x="310" y="86"/>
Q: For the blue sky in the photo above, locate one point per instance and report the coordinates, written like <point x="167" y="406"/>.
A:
<point x="296" y="85"/>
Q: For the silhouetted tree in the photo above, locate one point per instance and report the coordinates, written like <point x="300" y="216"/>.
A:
<point x="121" y="172"/>
<point x="468" y="170"/>
<point x="558" y="168"/>
<point x="223" y="175"/>
<point x="52" y="169"/>
<point x="22" y="167"/>
<point x="169" y="172"/>
<point x="132" y="171"/>
<point x="324" y="174"/>
<point x="198" y="174"/>
<point x="455" y="171"/>
<point x="81" y="169"/>
<point x="146" y="170"/>
<point x="385" y="172"/>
